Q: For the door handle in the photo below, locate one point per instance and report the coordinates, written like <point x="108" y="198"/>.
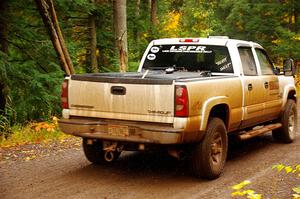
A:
<point x="266" y="85"/>
<point x="250" y="87"/>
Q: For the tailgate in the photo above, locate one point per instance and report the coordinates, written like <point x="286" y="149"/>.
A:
<point x="124" y="101"/>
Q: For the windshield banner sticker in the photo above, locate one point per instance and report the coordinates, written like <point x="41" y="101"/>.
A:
<point x="151" y="57"/>
<point x="188" y="49"/>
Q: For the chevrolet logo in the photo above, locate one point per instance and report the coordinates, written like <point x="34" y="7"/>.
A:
<point x="159" y="112"/>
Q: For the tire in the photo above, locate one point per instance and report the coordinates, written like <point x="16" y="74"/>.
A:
<point x="288" y="119"/>
<point x="93" y="152"/>
<point x="209" y="156"/>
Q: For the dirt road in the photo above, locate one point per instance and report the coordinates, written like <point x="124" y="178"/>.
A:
<point x="67" y="174"/>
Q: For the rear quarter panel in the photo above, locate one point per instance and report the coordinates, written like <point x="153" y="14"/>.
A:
<point x="204" y="95"/>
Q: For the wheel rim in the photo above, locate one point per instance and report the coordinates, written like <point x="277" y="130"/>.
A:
<point x="216" y="149"/>
<point x="291" y="124"/>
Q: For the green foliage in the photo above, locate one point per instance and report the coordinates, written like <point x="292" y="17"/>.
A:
<point x="271" y="23"/>
<point x="38" y="94"/>
<point x="32" y="133"/>
<point x="31" y="75"/>
<point x="5" y="128"/>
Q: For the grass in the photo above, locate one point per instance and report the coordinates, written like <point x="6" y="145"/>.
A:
<point x="31" y="134"/>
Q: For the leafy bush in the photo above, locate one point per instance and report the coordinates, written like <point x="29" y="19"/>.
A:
<point x="33" y="132"/>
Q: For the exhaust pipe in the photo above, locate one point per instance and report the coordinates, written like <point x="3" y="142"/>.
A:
<point x="109" y="156"/>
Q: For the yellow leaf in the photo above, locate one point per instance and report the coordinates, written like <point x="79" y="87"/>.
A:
<point x="297" y="190"/>
<point x="288" y="169"/>
<point x="255" y="196"/>
<point x="279" y="167"/>
<point x="237" y="193"/>
<point x="249" y="191"/>
<point x="30" y="158"/>
<point x="241" y="185"/>
<point x="296" y="196"/>
<point x="27" y="158"/>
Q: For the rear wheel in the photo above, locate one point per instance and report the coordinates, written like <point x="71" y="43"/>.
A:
<point x="93" y="151"/>
<point x="209" y="156"/>
<point x="287" y="132"/>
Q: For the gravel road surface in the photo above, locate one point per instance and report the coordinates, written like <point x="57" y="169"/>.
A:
<point x="65" y="173"/>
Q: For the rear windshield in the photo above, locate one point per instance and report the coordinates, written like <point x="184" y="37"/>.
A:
<point x="215" y="59"/>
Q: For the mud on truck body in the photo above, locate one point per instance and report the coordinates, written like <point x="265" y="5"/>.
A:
<point x="187" y="97"/>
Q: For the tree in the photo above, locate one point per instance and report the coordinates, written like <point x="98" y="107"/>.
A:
<point x="120" y="28"/>
<point x="271" y="23"/>
<point x="153" y="17"/>
<point x="4" y="50"/>
<point x="48" y="13"/>
<point x="93" y="40"/>
<point x="153" y="14"/>
<point x="136" y="28"/>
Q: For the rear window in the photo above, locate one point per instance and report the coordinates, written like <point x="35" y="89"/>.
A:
<point x="215" y="59"/>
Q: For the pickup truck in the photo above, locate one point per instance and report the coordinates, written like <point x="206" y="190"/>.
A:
<point x="187" y="97"/>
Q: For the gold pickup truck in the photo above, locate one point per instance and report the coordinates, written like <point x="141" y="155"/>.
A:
<point x="187" y="97"/>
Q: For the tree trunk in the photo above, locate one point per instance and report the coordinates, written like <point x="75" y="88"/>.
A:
<point x="153" y="13"/>
<point x="137" y="16"/>
<point x="136" y="27"/>
<point x="3" y="26"/>
<point x="49" y="17"/>
<point x="60" y="36"/>
<point x="120" y="28"/>
<point x="296" y="16"/>
<point x="4" y="49"/>
<point x="93" y="42"/>
<point x="153" y="17"/>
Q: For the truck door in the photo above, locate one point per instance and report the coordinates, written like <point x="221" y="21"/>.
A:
<point x="271" y="85"/>
<point x="253" y="89"/>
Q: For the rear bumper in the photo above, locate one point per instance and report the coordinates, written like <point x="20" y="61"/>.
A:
<point x="137" y="132"/>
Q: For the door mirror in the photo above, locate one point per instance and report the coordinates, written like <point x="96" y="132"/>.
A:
<point x="276" y="71"/>
<point x="289" y="68"/>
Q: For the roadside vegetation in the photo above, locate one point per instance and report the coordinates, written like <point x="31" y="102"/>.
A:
<point x="30" y="133"/>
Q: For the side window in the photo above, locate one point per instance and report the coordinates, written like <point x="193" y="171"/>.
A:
<point x="248" y="63"/>
<point x="264" y="61"/>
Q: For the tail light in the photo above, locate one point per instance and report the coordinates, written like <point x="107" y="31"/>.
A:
<point x="64" y="94"/>
<point x="181" y="101"/>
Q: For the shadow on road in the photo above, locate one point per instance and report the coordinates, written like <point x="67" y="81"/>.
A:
<point x="135" y="164"/>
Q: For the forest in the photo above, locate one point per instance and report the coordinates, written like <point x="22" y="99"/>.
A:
<point x="110" y="35"/>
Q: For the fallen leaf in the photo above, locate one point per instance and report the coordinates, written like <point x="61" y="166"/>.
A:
<point x="288" y="169"/>
<point x="241" y="185"/>
<point x="30" y="158"/>
<point x="297" y="190"/>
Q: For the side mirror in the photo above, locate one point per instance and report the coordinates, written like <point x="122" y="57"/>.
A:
<point x="289" y="68"/>
<point x="276" y="71"/>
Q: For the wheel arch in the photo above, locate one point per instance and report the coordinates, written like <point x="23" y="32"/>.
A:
<point x="289" y="93"/>
<point x="215" y="107"/>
